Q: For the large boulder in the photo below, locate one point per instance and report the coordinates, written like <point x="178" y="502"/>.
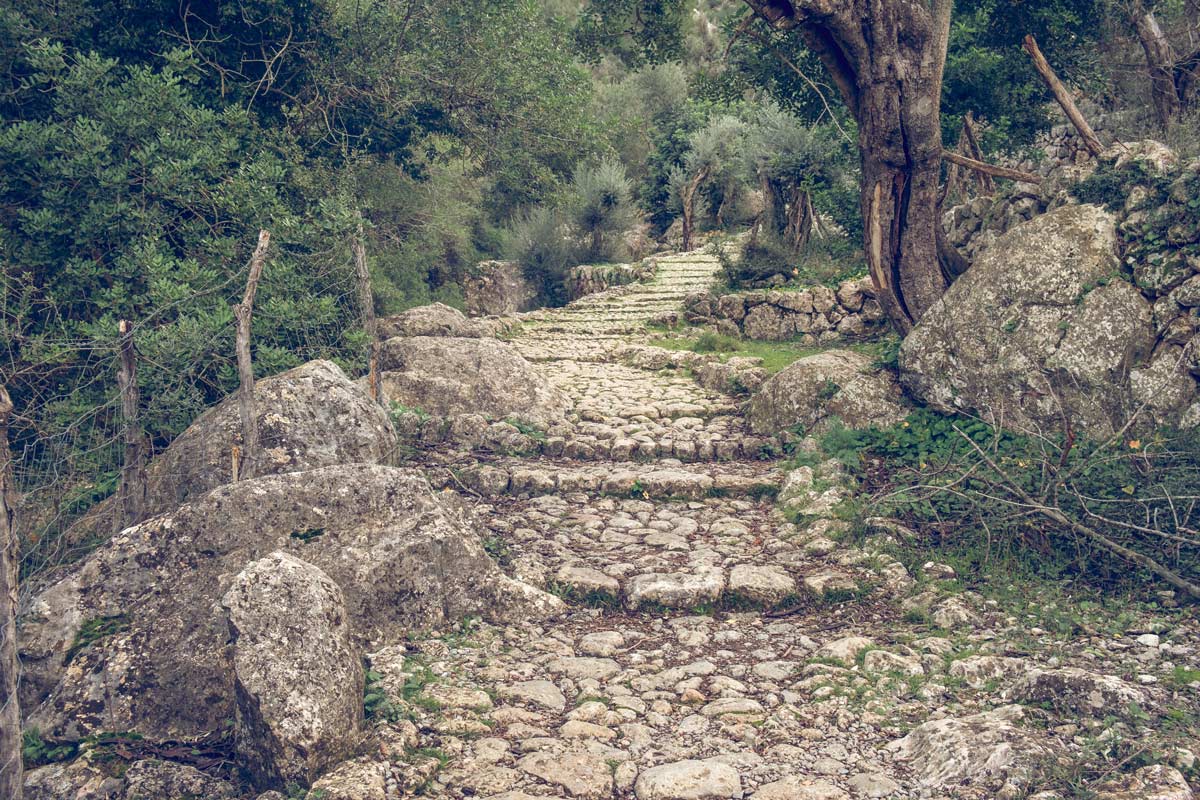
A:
<point x="308" y="417"/>
<point x="298" y="675"/>
<point x="435" y="319"/>
<point x="448" y="377"/>
<point x="814" y="391"/>
<point x="1041" y="325"/>
<point x="132" y="637"/>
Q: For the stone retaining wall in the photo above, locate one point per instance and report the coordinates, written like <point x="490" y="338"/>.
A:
<point x="591" y="278"/>
<point x="816" y="315"/>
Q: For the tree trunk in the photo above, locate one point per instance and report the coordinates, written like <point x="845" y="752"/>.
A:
<point x="689" y="206"/>
<point x="132" y="491"/>
<point x="366" y="302"/>
<point x="1160" y="62"/>
<point x="800" y="220"/>
<point x="886" y="57"/>
<point x="11" y="773"/>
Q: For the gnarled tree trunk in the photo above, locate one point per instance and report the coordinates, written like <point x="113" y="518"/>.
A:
<point x="886" y="57"/>
<point x="1160" y="61"/>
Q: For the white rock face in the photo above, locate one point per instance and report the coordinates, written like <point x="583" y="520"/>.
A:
<point x="689" y="780"/>
<point x="299" y="678"/>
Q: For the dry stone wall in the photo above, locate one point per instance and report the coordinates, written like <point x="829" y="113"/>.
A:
<point x="816" y="315"/>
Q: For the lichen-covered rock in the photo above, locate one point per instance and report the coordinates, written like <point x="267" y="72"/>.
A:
<point x="1040" y="325"/>
<point x="435" y="319"/>
<point x="298" y="677"/>
<point x="147" y="779"/>
<point x="988" y="749"/>
<point x="308" y="417"/>
<point x="129" y="638"/>
<point x="836" y="384"/>
<point x="447" y="377"/>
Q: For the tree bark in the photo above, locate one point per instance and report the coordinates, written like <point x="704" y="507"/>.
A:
<point x="886" y="57"/>
<point x="1160" y="62"/>
<point x="243" y="311"/>
<point x="1090" y="140"/>
<point x="11" y="768"/>
<point x="132" y="491"/>
<point x="366" y="301"/>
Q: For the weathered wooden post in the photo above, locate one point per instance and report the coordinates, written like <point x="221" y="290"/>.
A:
<point x="242" y="312"/>
<point x="367" y="302"/>
<point x="11" y="769"/>
<point x="132" y="491"/>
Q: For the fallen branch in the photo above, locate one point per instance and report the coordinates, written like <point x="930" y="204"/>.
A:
<point x="1055" y="514"/>
<point x="1090" y="140"/>
<point x="990" y="169"/>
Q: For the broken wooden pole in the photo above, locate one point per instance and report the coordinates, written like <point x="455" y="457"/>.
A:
<point x="1090" y="140"/>
<point x="242" y="312"/>
<point x="990" y="169"/>
<point x="366" y="301"/>
<point x="132" y="491"/>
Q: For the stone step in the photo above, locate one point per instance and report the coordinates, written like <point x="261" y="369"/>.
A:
<point x="614" y="479"/>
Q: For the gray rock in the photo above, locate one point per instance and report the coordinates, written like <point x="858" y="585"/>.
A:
<point x="1029" y="331"/>
<point x="435" y="319"/>
<point x="1074" y="689"/>
<point x="761" y="584"/>
<point x="988" y="749"/>
<point x="447" y="377"/>
<point x="496" y="288"/>
<point x="404" y="558"/>
<point x="799" y="788"/>
<point x="689" y="780"/>
<point x="836" y="384"/>
<point x="676" y="589"/>
<point x="582" y="775"/>
<point x="1157" y="782"/>
<point x="298" y="677"/>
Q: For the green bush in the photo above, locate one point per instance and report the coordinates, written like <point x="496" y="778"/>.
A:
<point x="540" y="241"/>
<point x="601" y="205"/>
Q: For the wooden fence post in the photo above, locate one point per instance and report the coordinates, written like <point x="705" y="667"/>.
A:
<point x="367" y="301"/>
<point x="133" y="469"/>
<point x="1090" y="140"/>
<point x="11" y="768"/>
<point x="242" y="311"/>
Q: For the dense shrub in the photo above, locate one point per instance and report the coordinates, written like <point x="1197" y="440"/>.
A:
<point x="964" y="483"/>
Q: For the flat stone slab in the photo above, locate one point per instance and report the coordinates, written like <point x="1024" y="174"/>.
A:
<point x="767" y="585"/>
<point x="539" y="693"/>
<point x="689" y="780"/>
<point x="675" y="589"/>
<point x="581" y="774"/>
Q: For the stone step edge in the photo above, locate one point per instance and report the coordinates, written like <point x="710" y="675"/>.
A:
<point x="488" y="480"/>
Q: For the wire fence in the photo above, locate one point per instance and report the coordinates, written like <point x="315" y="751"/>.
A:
<point x="68" y="434"/>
